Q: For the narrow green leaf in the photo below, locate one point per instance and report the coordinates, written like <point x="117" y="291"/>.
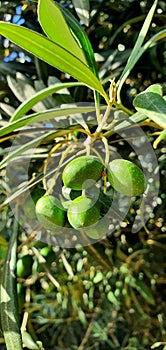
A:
<point x="8" y="297"/>
<point x="141" y="287"/>
<point x="144" y="291"/>
<point x="56" y="28"/>
<point x="82" y="8"/>
<point x="152" y="104"/>
<point x="42" y="117"/>
<point x="29" y="103"/>
<point x="46" y="137"/>
<point x="151" y="41"/>
<point x="82" y="37"/>
<point x="51" y="53"/>
<point x="23" y="148"/>
<point x="29" y="342"/>
<point x="133" y="57"/>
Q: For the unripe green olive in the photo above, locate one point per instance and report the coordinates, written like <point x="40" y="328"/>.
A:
<point x="24" y="266"/>
<point x="50" y="212"/>
<point x="82" y="212"/>
<point x="126" y="178"/>
<point x="80" y="170"/>
<point x="98" y="230"/>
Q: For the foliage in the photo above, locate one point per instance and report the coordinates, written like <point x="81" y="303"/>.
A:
<point x="106" y="294"/>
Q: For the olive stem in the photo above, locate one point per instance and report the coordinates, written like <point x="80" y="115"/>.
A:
<point x="107" y="153"/>
<point x="107" y="157"/>
<point x="97" y="106"/>
<point x="55" y="148"/>
<point x="103" y="121"/>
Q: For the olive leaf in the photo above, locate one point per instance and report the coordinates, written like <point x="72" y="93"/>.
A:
<point x="52" y="53"/>
<point x="152" y="104"/>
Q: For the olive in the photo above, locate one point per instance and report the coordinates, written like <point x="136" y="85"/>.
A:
<point x="50" y="212"/>
<point x="126" y="178"/>
<point x="80" y="170"/>
<point x="24" y="266"/>
<point x="82" y="212"/>
<point x="98" y="230"/>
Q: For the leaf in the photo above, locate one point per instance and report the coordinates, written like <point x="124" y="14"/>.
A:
<point x="51" y="53"/>
<point x="81" y="37"/>
<point x="141" y="287"/>
<point x="23" y="90"/>
<point x="54" y="25"/>
<point x="29" y="103"/>
<point x="156" y="88"/>
<point x="43" y="116"/>
<point x="82" y="8"/>
<point x="152" y="104"/>
<point x="134" y="54"/>
<point x="28" y="341"/>
<point x="8" y="297"/>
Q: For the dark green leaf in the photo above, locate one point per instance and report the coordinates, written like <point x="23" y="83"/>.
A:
<point x="152" y="104"/>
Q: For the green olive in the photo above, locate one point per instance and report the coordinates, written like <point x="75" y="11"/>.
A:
<point x="24" y="266"/>
<point x="50" y="212"/>
<point x="98" y="230"/>
<point x="48" y="254"/>
<point x="29" y="205"/>
<point x="126" y="178"/>
<point x="82" y="212"/>
<point x="80" y="170"/>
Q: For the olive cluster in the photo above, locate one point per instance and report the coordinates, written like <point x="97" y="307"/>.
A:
<point x="81" y="207"/>
<point x="85" y="204"/>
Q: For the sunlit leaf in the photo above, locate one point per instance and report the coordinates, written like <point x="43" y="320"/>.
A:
<point x="82" y="37"/>
<point x="56" y="28"/>
<point x="51" y="53"/>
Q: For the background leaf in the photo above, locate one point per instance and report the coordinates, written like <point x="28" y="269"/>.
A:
<point x="8" y="297"/>
<point x="44" y="116"/>
<point x="29" y="103"/>
<point x="82" y="8"/>
<point x="134" y="54"/>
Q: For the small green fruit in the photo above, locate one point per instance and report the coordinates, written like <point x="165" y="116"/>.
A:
<point x="80" y="170"/>
<point x="82" y="212"/>
<point x="126" y="178"/>
<point x="50" y="212"/>
<point x="29" y="205"/>
<point x="24" y="266"/>
<point x="98" y="230"/>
